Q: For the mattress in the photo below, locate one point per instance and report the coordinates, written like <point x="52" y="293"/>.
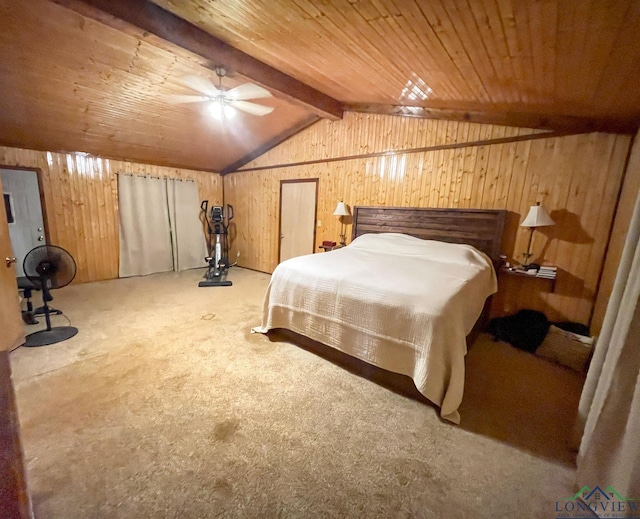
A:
<point x="398" y="302"/>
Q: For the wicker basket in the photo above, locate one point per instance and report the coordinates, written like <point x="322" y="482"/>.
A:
<point x="566" y="348"/>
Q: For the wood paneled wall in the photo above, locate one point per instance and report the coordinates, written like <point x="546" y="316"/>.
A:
<point x="81" y="202"/>
<point x="577" y="179"/>
<point x="624" y="213"/>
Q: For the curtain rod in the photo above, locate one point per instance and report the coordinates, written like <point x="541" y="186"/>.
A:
<point x="159" y="178"/>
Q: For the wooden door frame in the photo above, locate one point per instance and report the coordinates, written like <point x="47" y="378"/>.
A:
<point x="43" y="205"/>
<point x="315" y="210"/>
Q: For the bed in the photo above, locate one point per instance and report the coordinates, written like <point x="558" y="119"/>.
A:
<point x="403" y="295"/>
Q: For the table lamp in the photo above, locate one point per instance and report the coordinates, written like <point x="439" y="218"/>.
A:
<point x="341" y="211"/>
<point x="536" y="217"/>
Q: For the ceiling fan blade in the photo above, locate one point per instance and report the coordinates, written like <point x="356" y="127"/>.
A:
<point x="248" y="91"/>
<point x="202" y="85"/>
<point x="251" y="108"/>
<point x="177" y="99"/>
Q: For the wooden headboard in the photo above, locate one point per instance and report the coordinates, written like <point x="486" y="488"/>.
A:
<point x="481" y="228"/>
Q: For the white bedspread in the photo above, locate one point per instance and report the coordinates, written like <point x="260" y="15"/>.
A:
<point x="398" y="302"/>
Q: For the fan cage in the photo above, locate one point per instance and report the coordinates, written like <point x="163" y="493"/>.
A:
<point x="50" y="264"/>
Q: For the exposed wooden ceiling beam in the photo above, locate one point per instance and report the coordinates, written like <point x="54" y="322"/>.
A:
<point x="422" y="149"/>
<point x="517" y="119"/>
<point x="269" y="145"/>
<point x="151" y="23"/>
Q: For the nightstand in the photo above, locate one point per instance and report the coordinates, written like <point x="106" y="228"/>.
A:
<point x="547" y="273"/>
<point x="327" y="248"/>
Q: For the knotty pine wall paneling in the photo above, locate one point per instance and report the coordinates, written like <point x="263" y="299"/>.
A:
<point x="81" y="202"/>
<point x="628" y="199"/>
<point x="575" y="177"/>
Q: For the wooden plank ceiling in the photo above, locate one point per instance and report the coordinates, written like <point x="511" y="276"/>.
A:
<point x="96" y="75"/>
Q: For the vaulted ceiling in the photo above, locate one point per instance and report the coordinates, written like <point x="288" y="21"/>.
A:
<point x="101" y="76"/>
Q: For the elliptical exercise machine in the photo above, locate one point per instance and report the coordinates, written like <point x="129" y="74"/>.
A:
<point x="218" y="226"/>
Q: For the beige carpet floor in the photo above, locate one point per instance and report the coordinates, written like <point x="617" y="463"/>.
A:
<point x="165" y="405"/>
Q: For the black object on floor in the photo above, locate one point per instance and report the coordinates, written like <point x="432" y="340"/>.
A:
<point x="28" y="318"/>
<point x="525" y="330"/>
<point x="29" y="315"/>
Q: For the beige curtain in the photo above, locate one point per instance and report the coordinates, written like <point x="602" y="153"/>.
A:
<point x="187" y="233"/>
<point x="145" y="233"/>
<point x="609" y="411"/>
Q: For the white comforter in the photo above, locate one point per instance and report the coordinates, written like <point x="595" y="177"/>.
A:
<point x="398" y="302"/>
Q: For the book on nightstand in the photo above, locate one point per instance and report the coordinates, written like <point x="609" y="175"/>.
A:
<point x="547" y="272"/>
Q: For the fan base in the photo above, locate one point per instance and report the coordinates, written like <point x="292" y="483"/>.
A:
<point x="52" y="336"/>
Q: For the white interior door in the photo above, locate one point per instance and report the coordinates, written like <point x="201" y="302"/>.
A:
<point x="297" y="217"/>
<point x="24" y="212"/>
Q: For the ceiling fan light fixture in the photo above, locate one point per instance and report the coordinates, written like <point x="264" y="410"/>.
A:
<point x="221" y="110"/>
<point x="224" y="103"/>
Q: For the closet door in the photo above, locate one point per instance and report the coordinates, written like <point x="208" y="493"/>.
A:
<point x="298" y="203"/>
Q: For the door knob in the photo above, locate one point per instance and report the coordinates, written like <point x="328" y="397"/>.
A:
<point x="40" y="238"/>
<point x="9" y="261"/>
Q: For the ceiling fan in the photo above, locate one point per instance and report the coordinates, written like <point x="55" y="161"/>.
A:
<point x="223" y="102"/>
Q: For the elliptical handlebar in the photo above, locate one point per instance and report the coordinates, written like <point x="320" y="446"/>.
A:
<point x="204" y="207"/>
<point x="217" y="216"/>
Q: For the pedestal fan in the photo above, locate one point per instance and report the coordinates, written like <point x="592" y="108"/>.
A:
<point x="49" y="267"/>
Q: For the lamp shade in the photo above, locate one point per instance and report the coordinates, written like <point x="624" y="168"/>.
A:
<point x="341" y="210"/>
<point x="537" y="217"/>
